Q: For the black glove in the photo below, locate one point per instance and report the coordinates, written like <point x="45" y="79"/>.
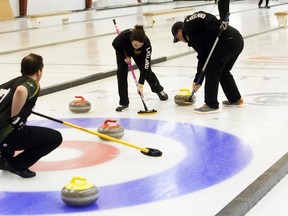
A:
<point x="18" y="123"/>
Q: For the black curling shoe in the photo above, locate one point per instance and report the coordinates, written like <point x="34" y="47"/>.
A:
<point x="122" y="108"/>
<point x="4" y="165"/>
<point x="24" y="173"/>
<point x="162" y="96"/>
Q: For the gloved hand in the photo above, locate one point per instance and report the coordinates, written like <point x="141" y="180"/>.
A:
<point x="224" y="25"/>
<point x="195" y="86"/>
<point x="18" y="123"/>
<point x="140" y="89"/>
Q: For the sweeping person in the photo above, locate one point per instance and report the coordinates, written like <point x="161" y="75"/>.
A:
<point x="134" y="43"/>
<point x="17" y="99"/>
<point x="200" y="31"/>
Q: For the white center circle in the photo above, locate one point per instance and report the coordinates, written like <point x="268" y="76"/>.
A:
<point x="58" y="155"/>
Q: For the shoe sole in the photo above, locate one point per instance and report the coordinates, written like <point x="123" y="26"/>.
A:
<point x="122" y="110"/>
<point x="233" y="106"/>
<point x="208" y="112"/>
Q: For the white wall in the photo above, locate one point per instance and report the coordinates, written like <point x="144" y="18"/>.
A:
<point x="46" y="6"/>
<point x="158" y="1"/>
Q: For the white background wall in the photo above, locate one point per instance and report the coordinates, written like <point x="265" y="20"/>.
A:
<point x="46" y="6"/>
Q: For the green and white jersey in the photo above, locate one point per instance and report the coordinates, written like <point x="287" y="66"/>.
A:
<point x="7" y="91"/>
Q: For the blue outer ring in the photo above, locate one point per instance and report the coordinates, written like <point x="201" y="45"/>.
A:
<point x="216" y="157"/>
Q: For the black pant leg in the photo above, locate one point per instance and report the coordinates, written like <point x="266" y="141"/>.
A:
<point x="153" y="82"/>
<point x="35" y="142"/>
<point x="223" y="8"/>
<point x="122" y="74"/>
<point x="218" y="71"/>
<point x="150" y="77"/>
<point x="227" y="81"/>
<point x="260" y="2"/>
<point x="212" y="77"/>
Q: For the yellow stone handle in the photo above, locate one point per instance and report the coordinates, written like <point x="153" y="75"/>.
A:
<point x="184" y="91"/>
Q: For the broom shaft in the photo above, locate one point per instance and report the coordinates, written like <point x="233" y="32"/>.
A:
<point x="93" y="132"/>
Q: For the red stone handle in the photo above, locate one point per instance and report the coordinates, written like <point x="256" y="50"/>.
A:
<point x="82" y="98"/>
<point x="107" y="125"/>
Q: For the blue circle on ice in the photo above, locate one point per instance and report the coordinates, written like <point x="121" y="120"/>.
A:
<point x="212" y="157"/>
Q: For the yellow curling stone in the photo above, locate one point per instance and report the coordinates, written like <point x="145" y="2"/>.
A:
<point x="182" y="97"/>
<point x="79" y="192"/>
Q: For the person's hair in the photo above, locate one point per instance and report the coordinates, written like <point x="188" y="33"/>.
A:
<point x="31" y="64"/>
<point x="138" y="34"/>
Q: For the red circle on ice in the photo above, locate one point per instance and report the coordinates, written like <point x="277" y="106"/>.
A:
<point x="91" y="154"/>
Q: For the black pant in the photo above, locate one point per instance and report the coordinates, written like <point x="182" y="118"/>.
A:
<point x="223" y="8"/>
<point x="35" y="142"/>
<point x="261" y="1"/>
<point x="122" y="75"/>
<point x="218" y="69"/>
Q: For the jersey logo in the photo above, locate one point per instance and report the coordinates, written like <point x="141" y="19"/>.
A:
<point x="3" y="94"/>
<point x="31" y="84"/>
<point x="137" y="52"/>
<point x="148" y="55"/>
<point x="195" y="16"/>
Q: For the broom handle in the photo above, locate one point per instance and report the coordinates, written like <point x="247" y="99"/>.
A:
<point x="92" y="132"/>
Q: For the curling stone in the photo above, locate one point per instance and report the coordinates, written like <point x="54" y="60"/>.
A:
<point x="79" y="106"/>
<point x="182" y="97"/>
<point x="79" y="192"/>
<point x="112" y="129"/>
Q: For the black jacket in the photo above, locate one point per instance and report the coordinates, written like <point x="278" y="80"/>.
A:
<point x="200" y="31"/>
<point x="142" y="57"/>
